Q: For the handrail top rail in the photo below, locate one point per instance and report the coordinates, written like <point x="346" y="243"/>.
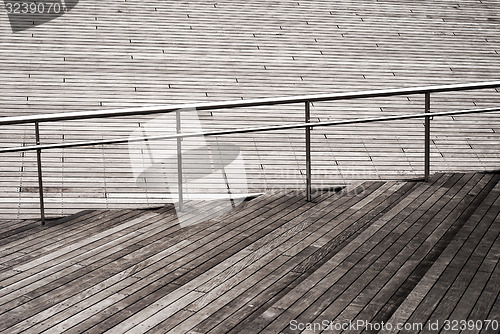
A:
<point x="12" y="120"/>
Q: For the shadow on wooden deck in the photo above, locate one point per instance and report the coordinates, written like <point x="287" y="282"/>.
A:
<point x="387" y="253"/>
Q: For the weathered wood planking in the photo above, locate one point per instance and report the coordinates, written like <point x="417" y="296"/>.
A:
<point x="381" y="251"/>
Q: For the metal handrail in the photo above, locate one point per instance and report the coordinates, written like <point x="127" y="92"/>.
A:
<point x="306" y="99"/>
<point x="247" y="130"/>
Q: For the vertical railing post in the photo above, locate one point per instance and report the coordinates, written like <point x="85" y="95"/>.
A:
<point x="179" y="161"/>
<point x="427" y="153"/>
<point x="308" y="151"/>
<point x="40" y="180"/>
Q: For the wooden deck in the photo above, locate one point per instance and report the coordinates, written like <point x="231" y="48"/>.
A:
<point x="385" y="251"/>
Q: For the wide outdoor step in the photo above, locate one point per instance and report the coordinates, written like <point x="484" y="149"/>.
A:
<point x="105" y="55"/>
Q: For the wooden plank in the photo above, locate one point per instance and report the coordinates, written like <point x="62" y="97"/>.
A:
<point x="486" y="300"/>
<point x="285" y="282"/>
<point x="433" y="275"/>
<point x="421" y="260"/>
<point x="144" y="293"/>
<point x="427" y="295"/>
<point x="332" y="271"/>
<point x="385" y="251"/>
<point x="72" y="271"/>
<point x="265" y="245"/>
<point x="471" y="280"/>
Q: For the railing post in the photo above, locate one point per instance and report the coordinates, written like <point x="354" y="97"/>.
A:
<point x="427" y="159"/>
<point x="308" y="151"/>
<point x="179" y="161"/>
<point x="39" y="165"/>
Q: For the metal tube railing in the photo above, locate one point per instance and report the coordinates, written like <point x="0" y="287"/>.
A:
<point x="39" y="171"/>
<point x="308" y="152"/>
<point x="427" y="139"/>
<point x="306" y="99"/>
<point x="179" y="161"/>
<point x="250" y="130"/>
